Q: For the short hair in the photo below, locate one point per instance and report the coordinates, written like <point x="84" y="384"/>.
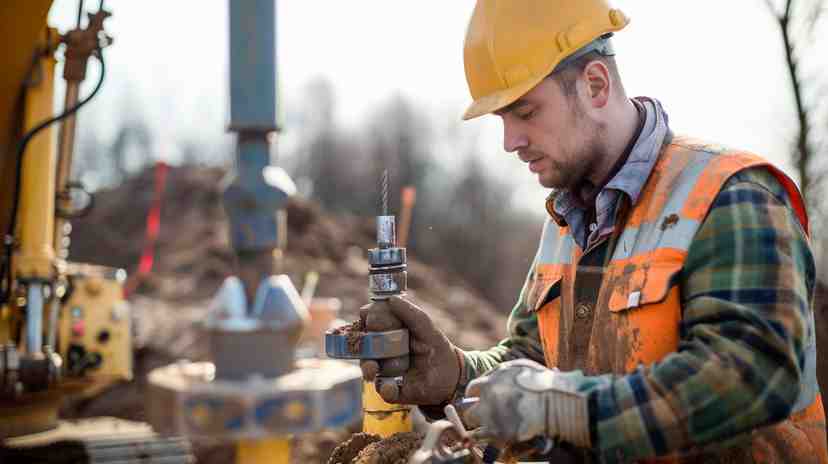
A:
<point x="567" y="75"/>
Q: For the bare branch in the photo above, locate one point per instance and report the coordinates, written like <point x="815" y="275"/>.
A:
<point x="772" y="9"/>
<point x="813" y="17"/>
<point x="797" y="26"/>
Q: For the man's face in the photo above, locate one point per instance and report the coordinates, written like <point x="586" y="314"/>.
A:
<point x="552" y="133"/>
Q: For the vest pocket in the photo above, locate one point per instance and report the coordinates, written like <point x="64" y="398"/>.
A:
<point x="632" y="285"/>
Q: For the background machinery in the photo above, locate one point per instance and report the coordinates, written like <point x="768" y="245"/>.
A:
<point x="65" y="327"/>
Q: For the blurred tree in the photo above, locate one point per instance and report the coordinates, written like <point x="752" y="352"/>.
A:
<point x="799" y="22"/>
<point x="477" y="234"/>
<point x="90" y="160"/>
<point x="479" y="223"/>
<point x="101" y="163"/>
<point x="459" y="223"/>
<point x="401" y="138"/>
<point x="131" y="148"/>
<point x="326" y="155"/>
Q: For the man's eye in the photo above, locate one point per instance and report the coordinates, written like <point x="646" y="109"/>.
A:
<point x="526" y="115"/>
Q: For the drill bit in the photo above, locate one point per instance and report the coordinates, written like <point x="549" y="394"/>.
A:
<point x="386" y="225"/>
<point x="384" y="192"/>
<point x="387" y="276"/>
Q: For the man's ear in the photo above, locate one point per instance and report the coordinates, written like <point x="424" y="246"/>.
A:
<point x="599" y="83"/>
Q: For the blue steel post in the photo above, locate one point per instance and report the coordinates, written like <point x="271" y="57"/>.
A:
<point x="256" y="195"/>
<point x="253" y="66"/>
<point x="258" y="316"/>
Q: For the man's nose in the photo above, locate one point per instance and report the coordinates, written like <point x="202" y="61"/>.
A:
<point x="513" y="139"/>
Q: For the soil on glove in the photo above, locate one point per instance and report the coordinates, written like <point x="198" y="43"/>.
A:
<point x="347" y="451"/>
<point x="395" y="449"/>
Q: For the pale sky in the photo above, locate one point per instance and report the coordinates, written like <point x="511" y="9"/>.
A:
<point x="717" y="66"/>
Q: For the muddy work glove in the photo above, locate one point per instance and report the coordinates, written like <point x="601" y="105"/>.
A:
<point x="435" y="364"/>
<point x="520" y="400"/>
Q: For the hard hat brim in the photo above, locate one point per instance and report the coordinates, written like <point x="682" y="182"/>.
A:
<point x="591" y="30"/>
<point x="504" y="98"/>
<point x="499" y="100"/>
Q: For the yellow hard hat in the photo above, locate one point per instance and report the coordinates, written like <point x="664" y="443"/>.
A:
<point x="512" y="45"/>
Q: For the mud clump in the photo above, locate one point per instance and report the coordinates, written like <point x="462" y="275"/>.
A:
<point x="396" y="449"/>
<point x="353" y="333"/>
<point x="347" y="451"/>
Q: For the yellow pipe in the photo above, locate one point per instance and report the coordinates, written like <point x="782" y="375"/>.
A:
<point x="382" y="418"/>
<point x="37" y="192"/>
<point x="263" y="451"/>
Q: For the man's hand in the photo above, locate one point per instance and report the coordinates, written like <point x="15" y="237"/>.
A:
<point x="521" y="399"/>
<point x="435" y="363"/>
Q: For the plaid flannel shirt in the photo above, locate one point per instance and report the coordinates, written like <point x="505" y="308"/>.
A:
<point x="747" y="291"/>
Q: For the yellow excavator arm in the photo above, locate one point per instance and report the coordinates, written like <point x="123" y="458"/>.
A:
<point x="24" y="32"/>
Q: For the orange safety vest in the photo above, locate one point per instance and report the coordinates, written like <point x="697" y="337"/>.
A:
<point x="638" y="311"/>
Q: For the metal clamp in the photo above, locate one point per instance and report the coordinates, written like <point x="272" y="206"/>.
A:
<point x="369" y="345"/>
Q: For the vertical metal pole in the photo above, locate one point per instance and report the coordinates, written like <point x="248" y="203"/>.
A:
<point x="253" y="66"/>
<point x="253" y="200"/>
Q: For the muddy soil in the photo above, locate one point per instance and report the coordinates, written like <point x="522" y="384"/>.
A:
<point x="347" y="451"/>
<point x="393" y="450"/>
<point x="365" y="448"/>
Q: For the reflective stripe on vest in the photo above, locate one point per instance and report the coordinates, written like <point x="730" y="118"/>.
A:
<point x="650" y="251"/>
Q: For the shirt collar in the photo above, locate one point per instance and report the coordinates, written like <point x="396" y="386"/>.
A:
<point x="630" y="179"/>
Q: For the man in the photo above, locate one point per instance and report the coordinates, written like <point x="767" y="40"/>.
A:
<point x="668" y="311"/>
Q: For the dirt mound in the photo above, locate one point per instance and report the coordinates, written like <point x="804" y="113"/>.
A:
<point x="193" y="254"/>
<point x="348" y="450"/>
<point x="366" y="448"/>
<point x="192" y="258"/>
<point x="393" y="450"/>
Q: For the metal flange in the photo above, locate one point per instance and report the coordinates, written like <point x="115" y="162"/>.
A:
<point x="185" y="398"/>
<point x="368" y="345"/>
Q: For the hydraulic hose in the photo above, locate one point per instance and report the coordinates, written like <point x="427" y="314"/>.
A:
<point x="5" y="271"/>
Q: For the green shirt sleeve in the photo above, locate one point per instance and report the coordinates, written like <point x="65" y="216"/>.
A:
<point x="522" y="341"/>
